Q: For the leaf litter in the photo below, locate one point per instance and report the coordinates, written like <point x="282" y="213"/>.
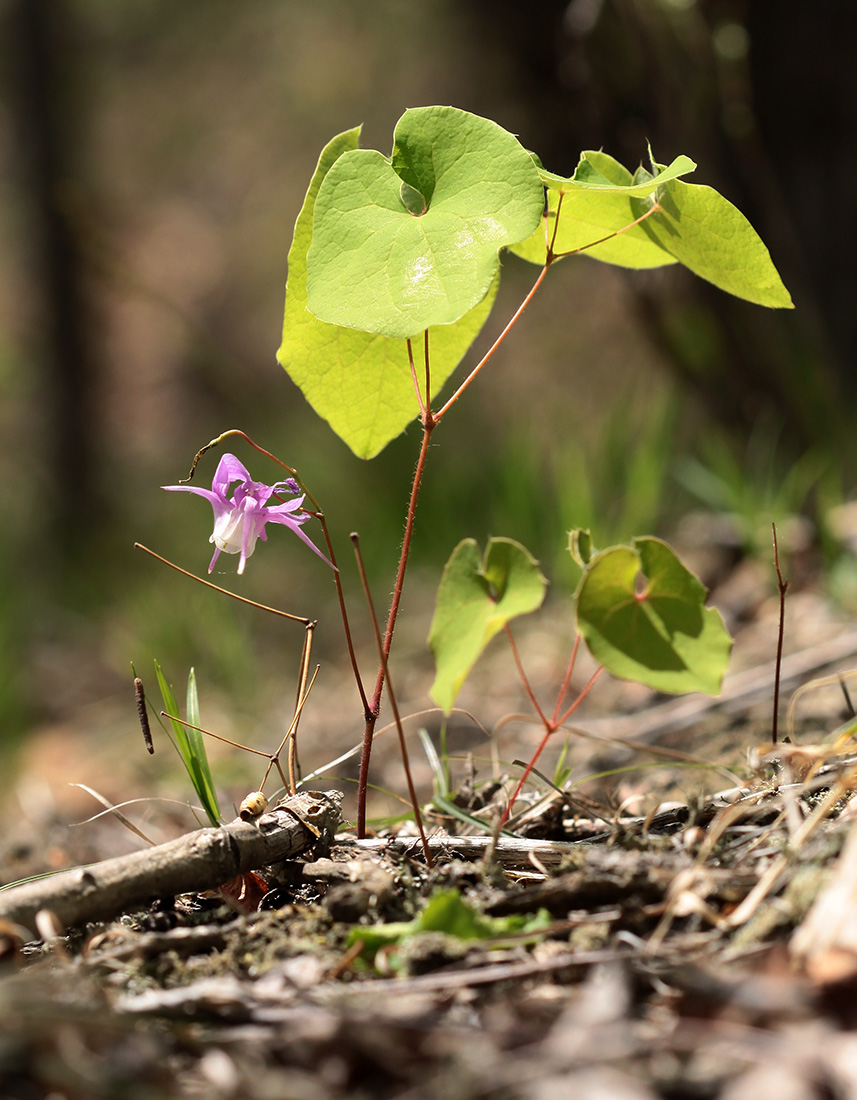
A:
<point x="704" y="947"/>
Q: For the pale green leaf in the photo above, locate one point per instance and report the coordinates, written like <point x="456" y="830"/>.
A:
<point x="598" y="171"/>
<point x="642" y="614"/>
<point x="712" y="238"/>
<point x="359" y="383"/>
<point x="447" y="912"/>
<point x="476" y="598"/>
<point x="379" y="265"/>
<point x="597" y="202"/>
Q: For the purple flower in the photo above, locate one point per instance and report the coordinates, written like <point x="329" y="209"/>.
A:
<point x="241" y="519"/>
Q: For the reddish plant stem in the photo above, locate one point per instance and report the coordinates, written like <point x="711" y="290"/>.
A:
<point x="429" y="424"/>
<point x="590" y="683"/>
<point x="237" y="431"/>
<point x="488" y="354"/>
<point x="567" y="678"/>
<point x="603" y="240"/>
<point x="550" y="729"/>
<point x="394" y="706"/>
<point x="428" y="369"/>
<point x="551" y="256"/>
<point x="520" y="667"/>
<point x="412" y="365"/>
<point x="349" y="644"/>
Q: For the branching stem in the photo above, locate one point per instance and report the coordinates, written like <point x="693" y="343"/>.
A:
<point x="566" y="679"/>
<point x="418" y="818"/>
<point x="439" y="415"/>
<point x="520" y="667"/>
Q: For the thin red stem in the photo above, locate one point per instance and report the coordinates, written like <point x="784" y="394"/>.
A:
<point x="527" y="772"/>
<point x="413" y="367"/>
<point x="610" y="236"/>
<point x="428" y="370"/>
<point x="550" y="729"/>
<point x="488" y="354"/>
<point x="340" y="594"/>
<point x="567" y="679"/>
<point x="418" y="818"/>
<point x="527" y="688"/>
<point x="375" y="704"/>
<point x="586" y="690"/>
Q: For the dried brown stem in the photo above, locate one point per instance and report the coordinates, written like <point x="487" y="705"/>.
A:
<point x="782" y="586"/>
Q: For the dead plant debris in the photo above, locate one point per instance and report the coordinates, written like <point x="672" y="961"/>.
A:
<point x="704" y="948"/>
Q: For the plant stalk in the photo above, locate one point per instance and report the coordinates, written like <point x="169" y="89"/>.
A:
<point x="429" y="423"/>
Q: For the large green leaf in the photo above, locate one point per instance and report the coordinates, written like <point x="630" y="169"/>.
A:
<point x="476" y="598"/>
<point x="643" y="616"/>
<point x="405" y="243"/>
<point x="597" y="201"/>
<point x="694" y="225"/>
<point x="359" y="383"/>
<point x="709" y="235"/>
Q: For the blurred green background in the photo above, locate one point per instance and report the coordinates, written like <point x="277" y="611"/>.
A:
<point x="155" y="156"/>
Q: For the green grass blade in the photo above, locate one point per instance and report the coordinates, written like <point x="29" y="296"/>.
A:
<point x="191" y="752"/>
<point x="434" y="762"/>
<point x="196" y="743"/>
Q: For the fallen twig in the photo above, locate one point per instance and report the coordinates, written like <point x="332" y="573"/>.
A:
<point x="511" y="852"/>
<point x="202" y="860"/>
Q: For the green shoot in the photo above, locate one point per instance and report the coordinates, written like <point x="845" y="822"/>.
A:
<point x="190" y="745"/>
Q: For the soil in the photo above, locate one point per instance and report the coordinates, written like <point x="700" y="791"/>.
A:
<point x="649" y="933"/>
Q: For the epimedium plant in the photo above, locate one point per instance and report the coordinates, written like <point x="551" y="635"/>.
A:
<point x="392" y="273"/>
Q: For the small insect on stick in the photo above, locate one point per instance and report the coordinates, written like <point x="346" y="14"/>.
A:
<point x="140" y="696"/>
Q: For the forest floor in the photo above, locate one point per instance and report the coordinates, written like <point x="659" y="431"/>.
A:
<point x="642" y="934"/>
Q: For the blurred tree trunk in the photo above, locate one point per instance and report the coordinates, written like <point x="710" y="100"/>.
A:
<point x="804" y="84"/>
<point x="45" y="69"/>
<point x="744" y="98"/>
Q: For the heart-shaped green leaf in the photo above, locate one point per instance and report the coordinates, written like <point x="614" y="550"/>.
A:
<point x="476" y="598"/>
<point x="643" y="616"/>
<point x="406" y="243"/>
<point x="709" y="235"/>
<point x="596" y="202"/>
<point x="359" y="383"/>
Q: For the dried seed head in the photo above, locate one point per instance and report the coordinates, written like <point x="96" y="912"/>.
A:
<point x="140" y="696"/>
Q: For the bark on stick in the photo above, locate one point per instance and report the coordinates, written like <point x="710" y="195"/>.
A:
<point x="202" y="860"/>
